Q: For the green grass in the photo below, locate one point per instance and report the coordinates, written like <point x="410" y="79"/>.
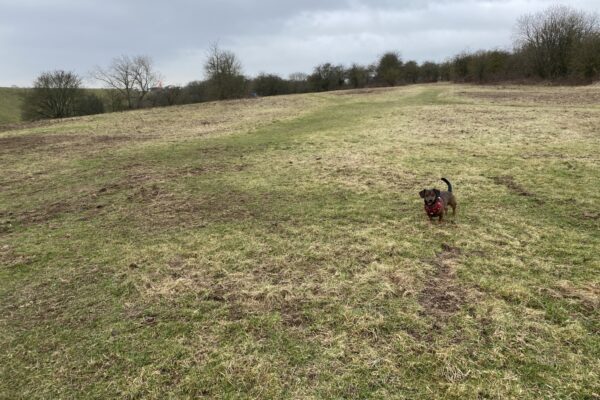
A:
<point x="277" y="248"/>
<point x="10" y="104"/>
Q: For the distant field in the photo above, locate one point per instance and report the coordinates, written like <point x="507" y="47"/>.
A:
<point x="277" y="248"/>
<point x="10" y="104"/>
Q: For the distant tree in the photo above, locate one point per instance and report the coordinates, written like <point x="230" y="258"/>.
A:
<point x="54" y="95"/>
<point x="270" y="85"/>
<point x="298" y="82"/>
<point x="586" y="61"/>
<point x="89" y="104"/>
<point x="459" y="67"/>
<point x="165" y="96"/>
<point x="429" y="72"/>
<point x="298" y="76"/>
<point x="327" y="77"/>
<point x="483" y="66"/>
<point x="131" y="77"/>
<point x="194" y="92"/>
<point x="549" y="39"/>
<point x="359" y="76"/>
<point x="496" y="65"/>
<point x="172" y="94"/>
<point x="445" y="69"/>
<point x="389" y="69"/>
<point x="224" y="74"/>
<point x="411" y="72"/>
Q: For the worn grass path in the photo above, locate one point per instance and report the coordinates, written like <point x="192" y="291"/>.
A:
<point x="277" y="248"/>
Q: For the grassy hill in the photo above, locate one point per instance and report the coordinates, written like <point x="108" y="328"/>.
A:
<point x="278" y="248"/>
<point x="10" y="104"/>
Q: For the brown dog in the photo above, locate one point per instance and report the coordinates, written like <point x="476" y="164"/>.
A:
<point x="437" y="202"/>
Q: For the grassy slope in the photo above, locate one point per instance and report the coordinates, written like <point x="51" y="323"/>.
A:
<point x="10" y="104"/>
<point x="278" y="248"/>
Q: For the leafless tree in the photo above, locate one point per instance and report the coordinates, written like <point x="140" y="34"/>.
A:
<point x="54" y="95"/>
<point x="549" y="38"/>
<point x="298" y="77"/>
<point x="224" y="73"/>
<point x="132" y="78"/>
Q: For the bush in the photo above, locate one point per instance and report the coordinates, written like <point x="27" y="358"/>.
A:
<point x="90" y="104"/>
<point x="270" y="85"/>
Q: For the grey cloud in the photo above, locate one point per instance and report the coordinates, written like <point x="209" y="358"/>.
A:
<point x="268" y="35"/>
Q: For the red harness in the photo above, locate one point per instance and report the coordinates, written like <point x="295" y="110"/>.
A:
<point x="435" y="208"/>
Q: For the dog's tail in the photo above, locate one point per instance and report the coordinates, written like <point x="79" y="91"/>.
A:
<point x="448" y="183"/>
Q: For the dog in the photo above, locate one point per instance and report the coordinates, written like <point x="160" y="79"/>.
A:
<point x="437" y="202"/>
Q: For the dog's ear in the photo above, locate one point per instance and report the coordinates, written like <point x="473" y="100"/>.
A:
<point x="437" y="192"/>
<point x="422" y="193"/>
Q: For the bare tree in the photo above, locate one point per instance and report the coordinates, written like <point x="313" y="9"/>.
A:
<point x="549" y="38"/>
<point x="224" y="73"/>
<point x="132" y="78"/>
<point x="54" y="95"/>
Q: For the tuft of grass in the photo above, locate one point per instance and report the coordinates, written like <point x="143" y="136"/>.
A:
<point x="277" y="248"/>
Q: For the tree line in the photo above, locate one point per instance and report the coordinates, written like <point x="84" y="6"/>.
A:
<point x="559" y="44"/>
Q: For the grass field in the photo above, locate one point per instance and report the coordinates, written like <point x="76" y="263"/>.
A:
<point x="10" y="104"/>
<point x="278" y="248"/>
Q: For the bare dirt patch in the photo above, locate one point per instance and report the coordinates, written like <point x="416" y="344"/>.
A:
<point x="442" y="295"/>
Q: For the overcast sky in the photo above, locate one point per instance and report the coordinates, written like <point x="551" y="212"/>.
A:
<point x="268" y="35"/>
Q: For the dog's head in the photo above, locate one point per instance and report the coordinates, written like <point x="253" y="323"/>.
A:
<point x="429" y="195"/>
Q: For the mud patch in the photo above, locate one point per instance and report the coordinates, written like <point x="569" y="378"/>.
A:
<point x="442" y="296"/>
